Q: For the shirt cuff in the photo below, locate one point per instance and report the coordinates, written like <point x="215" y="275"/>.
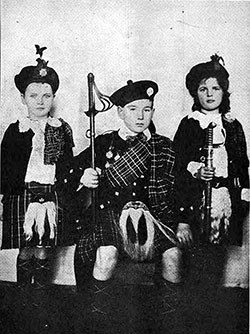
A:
<point x="245" y="194"/>
<point x="193" y="167"/>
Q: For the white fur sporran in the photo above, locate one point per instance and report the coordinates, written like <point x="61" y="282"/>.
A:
<point x="137" y="227"/>
<point x="35" y="217"/>
<point x="221" y="211"/>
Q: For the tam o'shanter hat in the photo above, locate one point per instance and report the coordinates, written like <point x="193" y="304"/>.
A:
<point x="134" y="91"/>
<point x="39" y="73"/>
<point x="210" y="69"/>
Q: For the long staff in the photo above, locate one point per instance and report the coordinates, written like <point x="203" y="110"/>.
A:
<point x="92" y="112"/>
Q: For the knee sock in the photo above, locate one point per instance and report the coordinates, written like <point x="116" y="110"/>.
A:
<point x="24" y="271"/>
<point x="41" y="273"/>
<point x="83" y="273"/>
<point x="102" y="295"/>
<point x="168" y="295"/>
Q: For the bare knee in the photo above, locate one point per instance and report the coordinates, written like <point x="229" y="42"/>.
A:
<point x="172" y="265"/>
<point x="106" y="259"/>
<point x="26" y="253"/>
<point x="41" y="253"/>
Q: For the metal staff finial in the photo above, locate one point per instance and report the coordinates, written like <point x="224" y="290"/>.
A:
<point x="104" y="99"/>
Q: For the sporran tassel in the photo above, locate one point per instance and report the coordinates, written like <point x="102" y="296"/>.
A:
<point x="221" y="211"/>
<point x="137" y="250"/>
<point x="36" y="216"/>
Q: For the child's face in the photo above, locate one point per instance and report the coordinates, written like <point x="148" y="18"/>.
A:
<point x="38" y="98"/>
<point x="137" y="115"/>
<point x="210" y="94"/>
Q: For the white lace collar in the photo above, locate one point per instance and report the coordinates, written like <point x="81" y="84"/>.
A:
<point x="205" y="119"/>
<point x="25" y="123"/>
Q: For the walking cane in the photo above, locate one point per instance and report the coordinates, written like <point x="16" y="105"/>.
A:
<point x="91" y="113"/>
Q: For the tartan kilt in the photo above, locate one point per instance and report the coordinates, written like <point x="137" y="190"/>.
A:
<point x="106" y="232"/>
<point x="14" y="209"/>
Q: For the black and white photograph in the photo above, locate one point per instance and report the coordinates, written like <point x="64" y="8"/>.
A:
<point x="125" y="145"/>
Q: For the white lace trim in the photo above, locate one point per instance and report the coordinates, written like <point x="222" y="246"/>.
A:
<point x="25" y="123"/>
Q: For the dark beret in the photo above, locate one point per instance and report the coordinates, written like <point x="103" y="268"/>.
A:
<point x="37" y="73"/>
<point x="138" y="90"/>
<point x="211" y="69"/>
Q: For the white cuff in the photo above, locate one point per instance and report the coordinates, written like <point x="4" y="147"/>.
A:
<point x="245" y="194"/>
<point x="193" y="167"/>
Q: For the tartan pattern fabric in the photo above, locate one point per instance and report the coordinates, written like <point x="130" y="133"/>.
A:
<point x="130" y="165"/>
<point x="104" y="233"/>
<point x="55" y="140"/>
<point x="107" y="233"/>
<point x="14" y="209"/>
<point x="133" y="163"/>
<point x="162" y="164"/>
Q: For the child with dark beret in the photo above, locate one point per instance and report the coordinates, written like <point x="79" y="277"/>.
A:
<point x="34" y="154"/>
<point x="227" y="176"/>
<point x="135" y="215"/>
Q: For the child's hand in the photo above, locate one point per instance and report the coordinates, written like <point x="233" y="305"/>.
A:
<point x="90" y="178"/>
<point x="245" y="194"/>
<point x="184" y="235"/>
<point x="205" y="173"/>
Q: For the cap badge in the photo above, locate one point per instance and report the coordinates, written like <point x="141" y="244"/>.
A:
<point x="43" y="72"/>
<point x="150" y="91"/>
<point x="109" y="155"/>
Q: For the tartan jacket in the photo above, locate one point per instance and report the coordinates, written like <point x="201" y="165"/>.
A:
<point x="159" y="157"/>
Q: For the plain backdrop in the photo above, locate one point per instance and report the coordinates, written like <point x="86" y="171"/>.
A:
<point x="118" y="40"/>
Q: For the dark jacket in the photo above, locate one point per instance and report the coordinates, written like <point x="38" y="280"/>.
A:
<point x="189" y="142"/>
<point x="16" y="148"/>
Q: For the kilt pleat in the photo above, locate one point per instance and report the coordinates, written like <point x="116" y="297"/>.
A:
<point x="14" y="209"/>
<point x="107" y="232"/>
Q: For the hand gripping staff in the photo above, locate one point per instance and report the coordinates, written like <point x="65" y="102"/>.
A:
<point x="91" y="113"/>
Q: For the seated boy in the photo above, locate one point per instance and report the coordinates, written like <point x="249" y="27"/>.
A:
<point x="133" y="181"/>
